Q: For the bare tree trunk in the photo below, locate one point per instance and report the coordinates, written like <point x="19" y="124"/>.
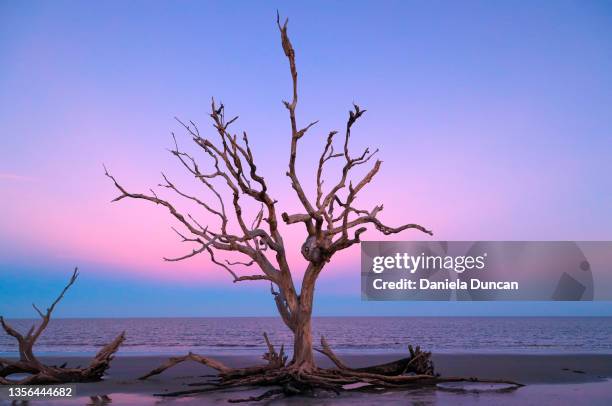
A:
<point x="303" y="358"/>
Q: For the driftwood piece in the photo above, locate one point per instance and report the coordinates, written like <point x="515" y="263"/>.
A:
<point x="276" y="360"/>
<point x="39" y="373"/>
<point x="217" y="365"/>
<point x="419" y="362"/>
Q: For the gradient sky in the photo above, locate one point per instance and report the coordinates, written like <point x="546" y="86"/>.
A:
<point x="493" y="119"/>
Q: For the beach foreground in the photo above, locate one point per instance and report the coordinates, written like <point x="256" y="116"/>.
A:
<point x="549" y="379"/>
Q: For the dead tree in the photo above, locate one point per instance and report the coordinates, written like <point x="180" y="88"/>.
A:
<point x="39" y="373"/>
<point x="332" y="221"/>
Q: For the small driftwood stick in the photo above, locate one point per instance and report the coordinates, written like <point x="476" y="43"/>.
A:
<point x="214" y="364"/>
<point x="275" y="361"/>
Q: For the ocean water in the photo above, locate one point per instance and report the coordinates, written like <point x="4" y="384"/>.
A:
<point x="153" y="336"/>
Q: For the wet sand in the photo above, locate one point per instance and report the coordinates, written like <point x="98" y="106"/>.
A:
<point x="550" y="379"/>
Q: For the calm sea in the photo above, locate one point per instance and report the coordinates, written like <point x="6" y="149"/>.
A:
<point x="151" y="336"/>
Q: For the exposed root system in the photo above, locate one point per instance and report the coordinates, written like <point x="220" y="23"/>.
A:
<point x="415" y="371"/>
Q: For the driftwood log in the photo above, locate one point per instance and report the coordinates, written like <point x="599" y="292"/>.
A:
<point x="39" y="373"/>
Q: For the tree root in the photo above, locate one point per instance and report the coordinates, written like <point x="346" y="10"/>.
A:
<point x="40" y="373"/>
<point x="412" y="372"/>
<point x="275" y="361"/>
<point x="419" y="362"/>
